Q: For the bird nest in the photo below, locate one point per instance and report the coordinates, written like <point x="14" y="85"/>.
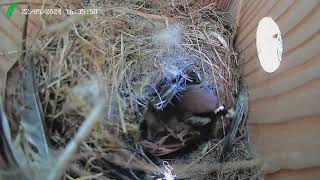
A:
<point x="114" y="65"/>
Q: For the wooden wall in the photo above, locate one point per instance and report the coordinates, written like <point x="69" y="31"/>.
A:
<point x="284" y="115"/>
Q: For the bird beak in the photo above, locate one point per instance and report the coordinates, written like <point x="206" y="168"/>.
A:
<point x="220" y="108"/>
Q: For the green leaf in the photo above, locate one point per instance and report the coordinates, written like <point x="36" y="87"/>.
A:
<point x="10" y="10"/>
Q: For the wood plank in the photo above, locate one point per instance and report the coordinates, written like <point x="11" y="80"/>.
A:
<point x="287" y="20"/>
<point x="250" y="25"/>
<point x="287" y="80"/>
<point x="289" y="145"/>
<point x="312" y="173"/>
<point x="297" y="102"/>
<point x="301" y="31"/>
<point x="275" y="13"/>
<point x="252" y="6"/>
<point x="294" y="57"/>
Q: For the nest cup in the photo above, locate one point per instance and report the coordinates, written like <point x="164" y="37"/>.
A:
<point x="139" y="52"/>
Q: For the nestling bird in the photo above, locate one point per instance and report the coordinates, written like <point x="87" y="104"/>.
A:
<point x="163" y="133"/>
<point x="197" y="99"/>
<point x="185" y="118"/>
<point x="199" y="105"/>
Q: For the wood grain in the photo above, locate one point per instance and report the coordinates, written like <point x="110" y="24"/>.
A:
<point x="284" y="115"/>
<point x="305" y="174"/>
<point x="288" y="145"/>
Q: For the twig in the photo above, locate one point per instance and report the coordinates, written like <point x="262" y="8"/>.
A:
<point x="95" y="176"/>
<point x="215" y="146"/>
<point x="71" y="148"/>
<point x="210" y="167"/>
<point x="63" y="25"/>
<point x="144" y="15"/>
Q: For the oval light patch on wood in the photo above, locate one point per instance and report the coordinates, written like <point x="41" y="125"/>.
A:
<point x="269" y="44"/>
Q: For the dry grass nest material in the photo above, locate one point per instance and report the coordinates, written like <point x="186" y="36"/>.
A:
<point x="114" y="56"/>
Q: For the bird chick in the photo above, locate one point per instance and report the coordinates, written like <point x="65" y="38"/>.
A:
<point x="228" y="113"/>
<point x="151" y="123"/>
<point x="197" y="121"/>
<point x="197" y="99"/>
<point x="196" y="104"/>
<point x="156" y="121"/>
<point x="199" y="105"/>
<point x="162" y="133"/>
